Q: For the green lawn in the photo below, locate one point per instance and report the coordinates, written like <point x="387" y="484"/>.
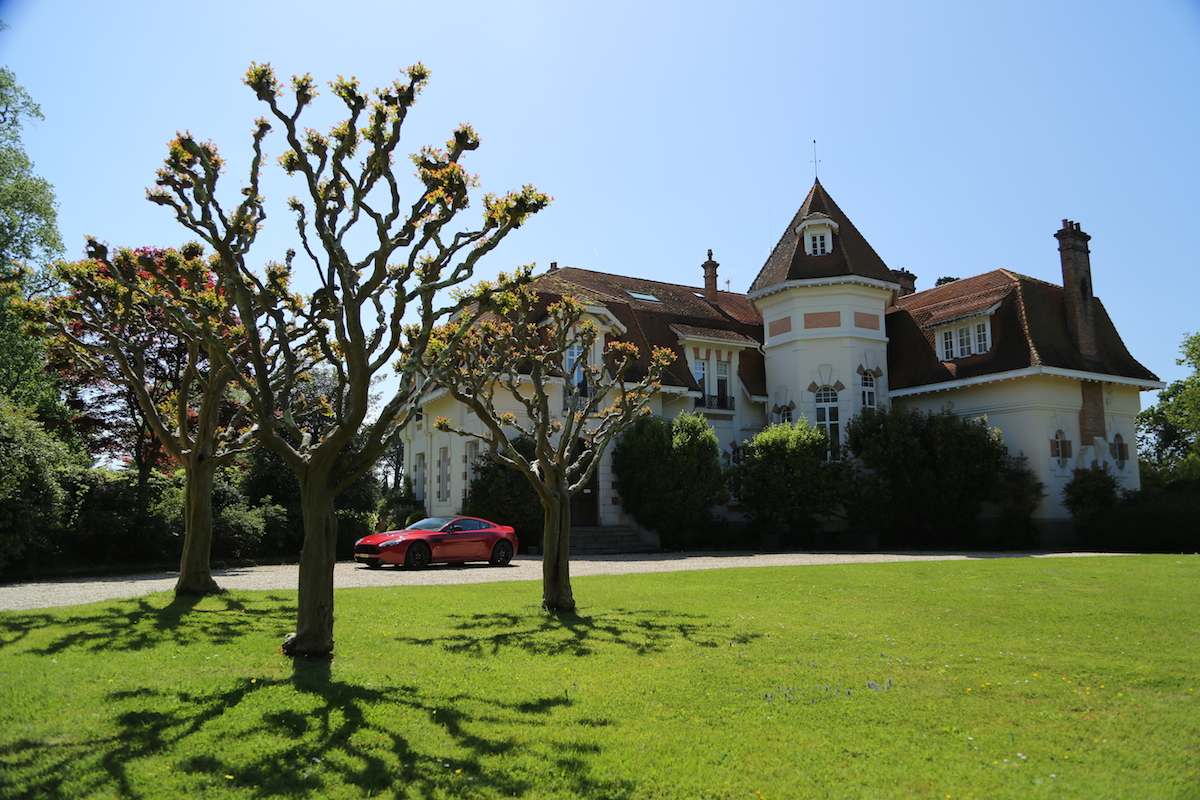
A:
<point x="990" y="678"/>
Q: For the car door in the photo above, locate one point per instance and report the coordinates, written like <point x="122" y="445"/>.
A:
<point x="454" y="541"/>
<point x="470" y="543"/>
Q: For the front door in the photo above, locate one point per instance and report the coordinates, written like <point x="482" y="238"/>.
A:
<point x="585" y="505"/>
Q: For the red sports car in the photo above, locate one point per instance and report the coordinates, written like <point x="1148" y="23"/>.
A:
<point x="438" y="539"/>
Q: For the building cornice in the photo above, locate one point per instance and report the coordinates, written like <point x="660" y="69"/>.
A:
<point x="1028" y="372"/>
<point x="832" y="280"/>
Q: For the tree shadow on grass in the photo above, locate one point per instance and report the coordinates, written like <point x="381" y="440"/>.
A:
<point x="147" y="622"/>
<point x="641" y="631"/>
<point x="310" y="735"/>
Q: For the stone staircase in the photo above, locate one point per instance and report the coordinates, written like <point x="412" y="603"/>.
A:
<point x="604" y="541"/>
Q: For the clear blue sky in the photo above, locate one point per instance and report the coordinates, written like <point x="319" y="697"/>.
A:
<point x="956" y="135"/>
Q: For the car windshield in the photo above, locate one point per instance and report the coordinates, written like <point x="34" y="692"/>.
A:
<point x="430" y="524"/>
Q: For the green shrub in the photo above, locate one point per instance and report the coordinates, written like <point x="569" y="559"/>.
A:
<point x="1090" y="495"/>
<point x="504" y="495"/>
<point x="671" y="477"/>
<point x="32" y="499"/>
<point x="106" y="525"/>
<point x="925" y="477"/>
<point x="397" y="507"/>
<point x="784" y="475"/>
<point x="1157" y="518"/>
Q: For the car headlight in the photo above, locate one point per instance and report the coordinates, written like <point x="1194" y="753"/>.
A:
<point x="392" y="543"/>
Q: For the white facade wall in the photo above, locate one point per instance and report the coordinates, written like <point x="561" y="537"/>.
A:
<point x="1029" y="410"/>
<point x="824" y="334"/>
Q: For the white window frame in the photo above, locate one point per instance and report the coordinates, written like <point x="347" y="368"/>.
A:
<point x="829" y="418"/>
<point x="419" y="467"/>
<point x="722" y="378"/>
<point x="962" y="340"/>
<point x="868" y="390"/>
<point x="443" y="492"/>
<point x="700" y="373"/>
<point x="576" y="361"/>
<point x="982" y="337"/>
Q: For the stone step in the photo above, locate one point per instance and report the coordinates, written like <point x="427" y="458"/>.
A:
<point x="602" y="541"/>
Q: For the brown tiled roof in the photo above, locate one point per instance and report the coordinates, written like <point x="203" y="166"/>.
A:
<point x="1029" y="329"/>
<point x="851" y="253"/>
<point x="649" y="323"/>
<point x="697" y="332"/>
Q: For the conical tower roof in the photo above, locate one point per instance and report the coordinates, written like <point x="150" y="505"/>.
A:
<point x="850" y="254"/>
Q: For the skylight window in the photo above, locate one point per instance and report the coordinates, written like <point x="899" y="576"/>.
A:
<point x="643" y="296"/>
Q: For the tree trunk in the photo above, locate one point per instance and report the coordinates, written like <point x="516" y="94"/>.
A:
<point x="556" y="562"/>
<point x="195" y="566"/>
<point x="314" y="620"/>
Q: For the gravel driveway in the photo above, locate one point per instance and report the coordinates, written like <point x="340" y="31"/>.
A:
<point x="76" y="591"/>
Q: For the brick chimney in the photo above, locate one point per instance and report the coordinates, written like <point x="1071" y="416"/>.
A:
<point x="907" y="281"/>
<point x="710" y="279"/>
<point x="1077" y="287"/>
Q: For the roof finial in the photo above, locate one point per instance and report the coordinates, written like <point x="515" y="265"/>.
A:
<point x="815" y="161"/>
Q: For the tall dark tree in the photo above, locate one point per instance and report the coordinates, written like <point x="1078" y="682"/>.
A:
<point x="28" y="239"/>
<point x="28" y="215"/>
<point x="380" y="268"/>
<point x="1169" y="430"/>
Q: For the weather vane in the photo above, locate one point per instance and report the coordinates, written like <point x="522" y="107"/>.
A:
<point x="815" y="161"/>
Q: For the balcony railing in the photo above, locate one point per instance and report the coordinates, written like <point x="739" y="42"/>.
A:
<point x="577" y="395"/>
<point x="714" y="401"/>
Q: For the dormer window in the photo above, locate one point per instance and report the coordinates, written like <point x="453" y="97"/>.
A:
<point x="816" y="234"/>
<point x="964" y="341"/>
<point x="965" y="338"/>
<point x="981" y="337"/>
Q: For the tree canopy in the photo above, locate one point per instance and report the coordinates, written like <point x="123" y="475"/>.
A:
<point x="1169" y="430"/>
<point x="380" y="267"/>
<point x="28" y="214"/>
<point x="572" y="407"/>
<point x="116" y="325"/>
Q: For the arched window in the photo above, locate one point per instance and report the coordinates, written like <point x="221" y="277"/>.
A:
<point x="868" y="390"/>
<point x="827" y="417"/>
<point x="785" y="415"/>
<point x="1060" y="448"/>
<point x="1120" y="451"/>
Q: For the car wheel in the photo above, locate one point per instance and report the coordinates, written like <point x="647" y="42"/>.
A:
<point x="502" y="553"/>
<point x="418" y="556"/>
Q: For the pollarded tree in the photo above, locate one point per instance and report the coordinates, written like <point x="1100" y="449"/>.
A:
<point x="527" y="354"/>
<point x="379" y="267"/>
<point x="115" y="324"/>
